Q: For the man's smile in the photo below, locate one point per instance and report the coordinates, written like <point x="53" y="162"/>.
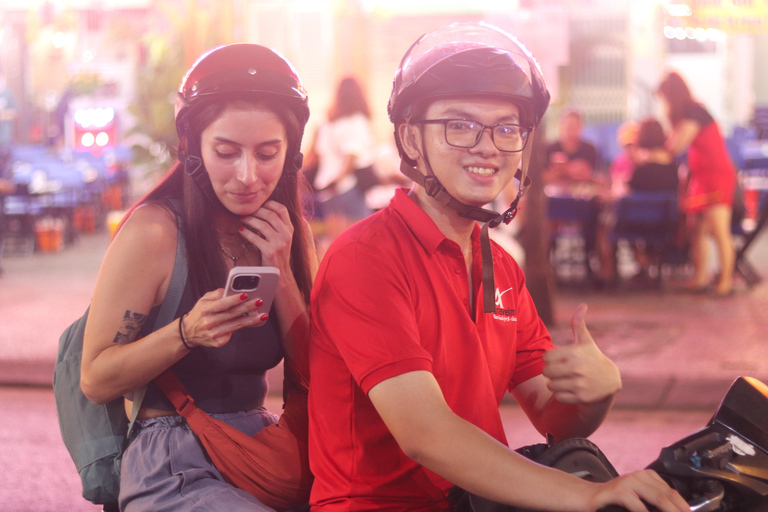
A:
<point x="482" y="171"/>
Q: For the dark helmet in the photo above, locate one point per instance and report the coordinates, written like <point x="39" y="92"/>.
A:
<point x="237" y="71"/>
<point x="469" y="59"/>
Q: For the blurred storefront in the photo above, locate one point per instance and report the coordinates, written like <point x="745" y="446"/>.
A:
<point x="605" y="57"/>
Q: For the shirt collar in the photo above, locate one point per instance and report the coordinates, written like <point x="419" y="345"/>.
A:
<point x="421" y="225"/>
<point x="424" y="228"/>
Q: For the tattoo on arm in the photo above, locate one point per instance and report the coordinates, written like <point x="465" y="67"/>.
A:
<point x="132" y="323"/>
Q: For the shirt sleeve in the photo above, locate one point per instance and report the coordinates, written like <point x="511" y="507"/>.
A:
<point x="363" y="309"/>
<point x="699" y="114"/>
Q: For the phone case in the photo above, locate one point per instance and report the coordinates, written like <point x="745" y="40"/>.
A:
<point x="257" y="282"/>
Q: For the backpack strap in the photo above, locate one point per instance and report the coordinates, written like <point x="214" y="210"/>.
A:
<point x="167" y="308"/>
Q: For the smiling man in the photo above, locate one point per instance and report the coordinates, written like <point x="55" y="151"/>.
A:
<point x="421" y="324"/>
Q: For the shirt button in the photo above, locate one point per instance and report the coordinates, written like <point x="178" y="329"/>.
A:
<point x="457" y="270"/>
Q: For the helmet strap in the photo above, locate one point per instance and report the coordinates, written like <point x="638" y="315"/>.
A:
<point x="490" y="218"/>
<point x="193" y="167"/>
<point x="489" y="284"/>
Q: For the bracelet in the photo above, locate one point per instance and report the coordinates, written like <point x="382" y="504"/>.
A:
<point x="181" y="332"/>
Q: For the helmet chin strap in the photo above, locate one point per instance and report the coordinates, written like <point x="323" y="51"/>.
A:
<point x="193" y="166"/>
<point x="490" y="218"/>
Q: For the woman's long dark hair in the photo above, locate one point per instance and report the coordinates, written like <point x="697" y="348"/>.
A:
<point x="350" y="99"/>
<point x="678" y="96"/>
<point x="207" y="270"/>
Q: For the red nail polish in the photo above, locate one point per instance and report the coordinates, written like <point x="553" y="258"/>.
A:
<point x="241" y="228"/>
<point x="264" y="317"/>
<point x="259" y="302"/>
<point x="243" y="296"/>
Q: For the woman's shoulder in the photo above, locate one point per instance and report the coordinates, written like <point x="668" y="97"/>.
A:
<point x="153" y="216"/>
<point x="141" y="257"/>
<point x="151" y="227"/>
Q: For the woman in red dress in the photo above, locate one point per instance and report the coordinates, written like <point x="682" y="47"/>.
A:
<point x="708" y="201"/>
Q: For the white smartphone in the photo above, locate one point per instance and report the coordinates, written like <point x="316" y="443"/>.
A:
<point x="257" y="282"/>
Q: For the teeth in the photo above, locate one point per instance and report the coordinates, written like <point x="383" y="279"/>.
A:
<point x="482" y="171"/>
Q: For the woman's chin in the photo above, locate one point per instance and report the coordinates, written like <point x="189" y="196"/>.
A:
<point x="244" y="205"/>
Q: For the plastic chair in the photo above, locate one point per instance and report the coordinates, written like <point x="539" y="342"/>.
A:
<point x="651" y="218"/>
<point x="573" y="235"/>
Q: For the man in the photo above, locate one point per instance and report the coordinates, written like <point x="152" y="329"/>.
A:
<point x="570" y="159"/>
<point x="571" y="164"/>
<point x="409" y="358"/>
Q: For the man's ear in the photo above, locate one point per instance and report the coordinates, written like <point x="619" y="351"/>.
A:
<point x="408" y="138"/>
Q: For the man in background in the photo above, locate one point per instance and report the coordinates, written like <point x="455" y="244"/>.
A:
<point x="571" y="159"/>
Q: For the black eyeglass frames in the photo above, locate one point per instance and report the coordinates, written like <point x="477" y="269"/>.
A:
<point x="465" y="133"/>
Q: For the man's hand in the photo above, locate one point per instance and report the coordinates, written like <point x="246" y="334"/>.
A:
<point x="632" y="490"/>
<point x="579" y="170"/>
<point x="580" y="373"/>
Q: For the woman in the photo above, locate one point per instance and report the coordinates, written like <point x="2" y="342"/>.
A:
<point x="346" y="151"/>
<point x="655" y="169"/>
<point x="708" y="201"/>
<point x="241" y="112"/>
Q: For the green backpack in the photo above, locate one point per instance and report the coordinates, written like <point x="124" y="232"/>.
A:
<point x="95" y="435"/>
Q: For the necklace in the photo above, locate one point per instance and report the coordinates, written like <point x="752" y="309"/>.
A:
<point x="235" y="258"/>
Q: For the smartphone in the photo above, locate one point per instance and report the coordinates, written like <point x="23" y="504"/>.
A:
<point x="257" y="282"/>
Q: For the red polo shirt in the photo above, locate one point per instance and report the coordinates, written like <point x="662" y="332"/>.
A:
<point x="392" y="297"/>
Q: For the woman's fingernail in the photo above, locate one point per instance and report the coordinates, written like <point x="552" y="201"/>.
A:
<point x="259" y="302"/>
<point x="241" y="228"/>
<point x="264" y="317"/>
<point x="243" y="296"/>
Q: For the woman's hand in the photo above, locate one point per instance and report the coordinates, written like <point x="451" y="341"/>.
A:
<point x="214" y="318"/>
<point x="271" y="231"/>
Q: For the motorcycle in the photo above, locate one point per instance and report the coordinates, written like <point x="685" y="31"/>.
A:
<point x="724" y="466"/>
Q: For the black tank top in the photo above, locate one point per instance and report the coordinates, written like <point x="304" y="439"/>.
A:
<point x="227" y="379"/>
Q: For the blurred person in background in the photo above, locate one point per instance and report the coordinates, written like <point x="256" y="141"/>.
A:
<point x="655" y="170"/>
<point x="708" y="201"/>
<point x="346" y="153"/>
<point x="570" y="160"/>
<point x="233" y="196"/>
<point x="574" y="189"/>
<point x="620" y="170"/>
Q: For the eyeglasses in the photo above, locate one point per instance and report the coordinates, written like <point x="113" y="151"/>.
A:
<point x="465" y="133"/>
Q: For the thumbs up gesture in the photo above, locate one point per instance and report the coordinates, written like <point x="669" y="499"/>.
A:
<point x="579" y="373"/>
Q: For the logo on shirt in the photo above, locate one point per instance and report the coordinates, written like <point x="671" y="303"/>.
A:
<point x="502" y="313"/>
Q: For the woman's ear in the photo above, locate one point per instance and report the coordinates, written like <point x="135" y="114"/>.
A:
<point x="408" y="138"/>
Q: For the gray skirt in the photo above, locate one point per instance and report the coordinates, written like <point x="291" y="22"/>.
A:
<point x="165" y="468"/>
